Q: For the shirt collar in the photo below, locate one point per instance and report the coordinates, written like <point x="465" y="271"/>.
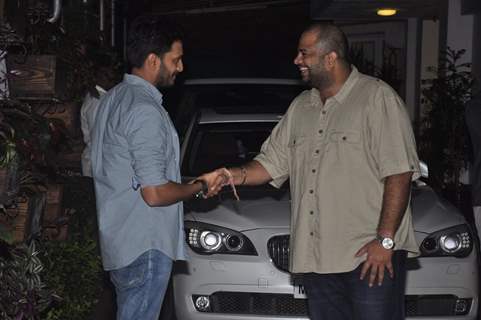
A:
<point x="342" y="94"/>
<point x="136" y="80"/>
<point x="100" y="89"/>
<point x="347" y="86"/>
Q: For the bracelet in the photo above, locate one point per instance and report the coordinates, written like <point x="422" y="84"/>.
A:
<point x="244" y="175"/>
<point x="204" y="189"/>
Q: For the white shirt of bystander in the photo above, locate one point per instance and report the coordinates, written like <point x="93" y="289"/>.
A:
<point x="88" y="112"/>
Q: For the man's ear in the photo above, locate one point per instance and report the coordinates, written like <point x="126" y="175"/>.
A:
<point x="153" y="59"/>
<point x="331" y="58"/>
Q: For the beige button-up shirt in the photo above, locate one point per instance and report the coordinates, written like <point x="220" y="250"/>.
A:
<point x="336" y="156"/>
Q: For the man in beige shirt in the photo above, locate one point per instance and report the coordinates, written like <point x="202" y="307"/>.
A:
<point x="348" y="150"/>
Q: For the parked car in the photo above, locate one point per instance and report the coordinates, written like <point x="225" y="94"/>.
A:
<point x="239" y="250"/>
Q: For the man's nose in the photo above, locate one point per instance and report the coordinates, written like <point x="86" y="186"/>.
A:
<point x="297" y="59"/>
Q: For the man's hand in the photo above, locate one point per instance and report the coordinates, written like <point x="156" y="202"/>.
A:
<point x="215" y="180"/>
<point x="377" y="260"/>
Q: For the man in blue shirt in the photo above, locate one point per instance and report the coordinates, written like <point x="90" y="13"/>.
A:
<point x="135" y="164"/>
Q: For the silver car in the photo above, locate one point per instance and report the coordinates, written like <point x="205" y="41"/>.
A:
<point x="239" y="250"/>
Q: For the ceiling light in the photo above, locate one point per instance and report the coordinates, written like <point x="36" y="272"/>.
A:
<point x="386" y="12"/>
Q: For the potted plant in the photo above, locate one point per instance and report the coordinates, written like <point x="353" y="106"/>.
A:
<point x="23" y="293"/>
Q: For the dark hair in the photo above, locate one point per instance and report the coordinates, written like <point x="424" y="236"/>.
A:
<point x="150" y="34"/>
<point x="331" y="38"/>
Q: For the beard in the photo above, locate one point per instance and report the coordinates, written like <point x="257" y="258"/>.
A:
<point x="164" y="78"/>
<point x="319" y="78"/>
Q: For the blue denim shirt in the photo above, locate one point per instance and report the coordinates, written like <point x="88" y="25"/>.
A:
<point x="134" y="144"/>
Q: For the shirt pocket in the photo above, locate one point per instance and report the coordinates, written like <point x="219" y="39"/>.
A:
<point x="298" y="144"/>
<point x="345" y="137"/>
<point x="299" y="150"/>
<point x="344" y="148"/>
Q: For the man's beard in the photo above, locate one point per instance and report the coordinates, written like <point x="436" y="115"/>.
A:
<point x="165" y="79"/>
<point x="320" y="78"/>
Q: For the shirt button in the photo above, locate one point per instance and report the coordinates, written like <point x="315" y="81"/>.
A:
<point x="311" y="191"/>
<point x="317" y="151"/>
<point x="344" y="138"/>
<point x="324" y="112"/>
<point x="311" y="212"/>
<point x="312" y="233"/>
<point x="320" y="131"/>
<point x="313" y="170"/>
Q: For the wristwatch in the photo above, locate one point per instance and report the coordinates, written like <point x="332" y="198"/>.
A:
<point x="386" y="242"/>
<point x="203" y="191"/>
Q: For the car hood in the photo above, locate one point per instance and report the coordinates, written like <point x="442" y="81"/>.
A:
<point x="430" y="213"/>
<point x="265" y="212"/>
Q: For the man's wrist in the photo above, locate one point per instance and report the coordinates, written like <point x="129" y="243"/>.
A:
<point x="239" y="175"/>
<point x="204" y="189"/>
<point x="387" y="242"/>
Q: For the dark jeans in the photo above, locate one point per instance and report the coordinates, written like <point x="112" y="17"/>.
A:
<point x="343" y="296"/>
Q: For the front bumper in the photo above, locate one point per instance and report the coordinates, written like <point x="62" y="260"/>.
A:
<point x="251" y="287"/>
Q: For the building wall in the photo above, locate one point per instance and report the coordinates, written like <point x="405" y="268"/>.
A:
<point x="460" y="30"/>
<point x="476" y="59"/>
<point x="430" y="48"/>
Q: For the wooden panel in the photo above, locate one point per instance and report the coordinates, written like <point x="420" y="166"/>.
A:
<point x="2" y="8"/>
<point x="19" y="225"/>
<point x="34" y="76"/>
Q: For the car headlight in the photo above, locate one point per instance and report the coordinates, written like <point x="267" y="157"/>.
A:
<point x="206" y="238"/>
<point x="456" y="241"/>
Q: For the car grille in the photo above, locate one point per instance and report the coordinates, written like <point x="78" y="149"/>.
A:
<point x="257" y="303"/>
<point x="286" y="305"/>
<point x="278" y="248"/>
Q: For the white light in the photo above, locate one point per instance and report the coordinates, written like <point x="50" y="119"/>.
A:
<point x="210" y="240"/>
<point x="450" y="243"/>
<point x="202" y="303"/>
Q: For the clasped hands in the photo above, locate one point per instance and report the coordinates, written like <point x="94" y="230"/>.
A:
<point x="216" y="180"/>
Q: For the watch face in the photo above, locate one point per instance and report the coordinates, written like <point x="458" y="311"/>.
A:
<point x="387" y="243"/>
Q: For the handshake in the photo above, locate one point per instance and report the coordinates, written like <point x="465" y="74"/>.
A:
<point x="214" y="181"/>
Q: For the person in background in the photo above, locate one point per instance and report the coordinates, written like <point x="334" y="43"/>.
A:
<point x="105" y="76"/>
<point x="135" y="167"/>
<point x="348" y="150"/>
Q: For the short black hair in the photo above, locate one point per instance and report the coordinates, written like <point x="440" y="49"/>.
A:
<point x="331" y="38"/>
<point x="150" y="34"/>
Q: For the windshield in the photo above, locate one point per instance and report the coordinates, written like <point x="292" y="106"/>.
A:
<point x="231" y="98"/>
<point x="224" y="145"/>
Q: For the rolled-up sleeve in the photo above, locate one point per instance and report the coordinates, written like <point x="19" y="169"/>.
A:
<point x="148" y="144"/>
<point x="391" y="140"/>
<point x="274" y="154"/>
